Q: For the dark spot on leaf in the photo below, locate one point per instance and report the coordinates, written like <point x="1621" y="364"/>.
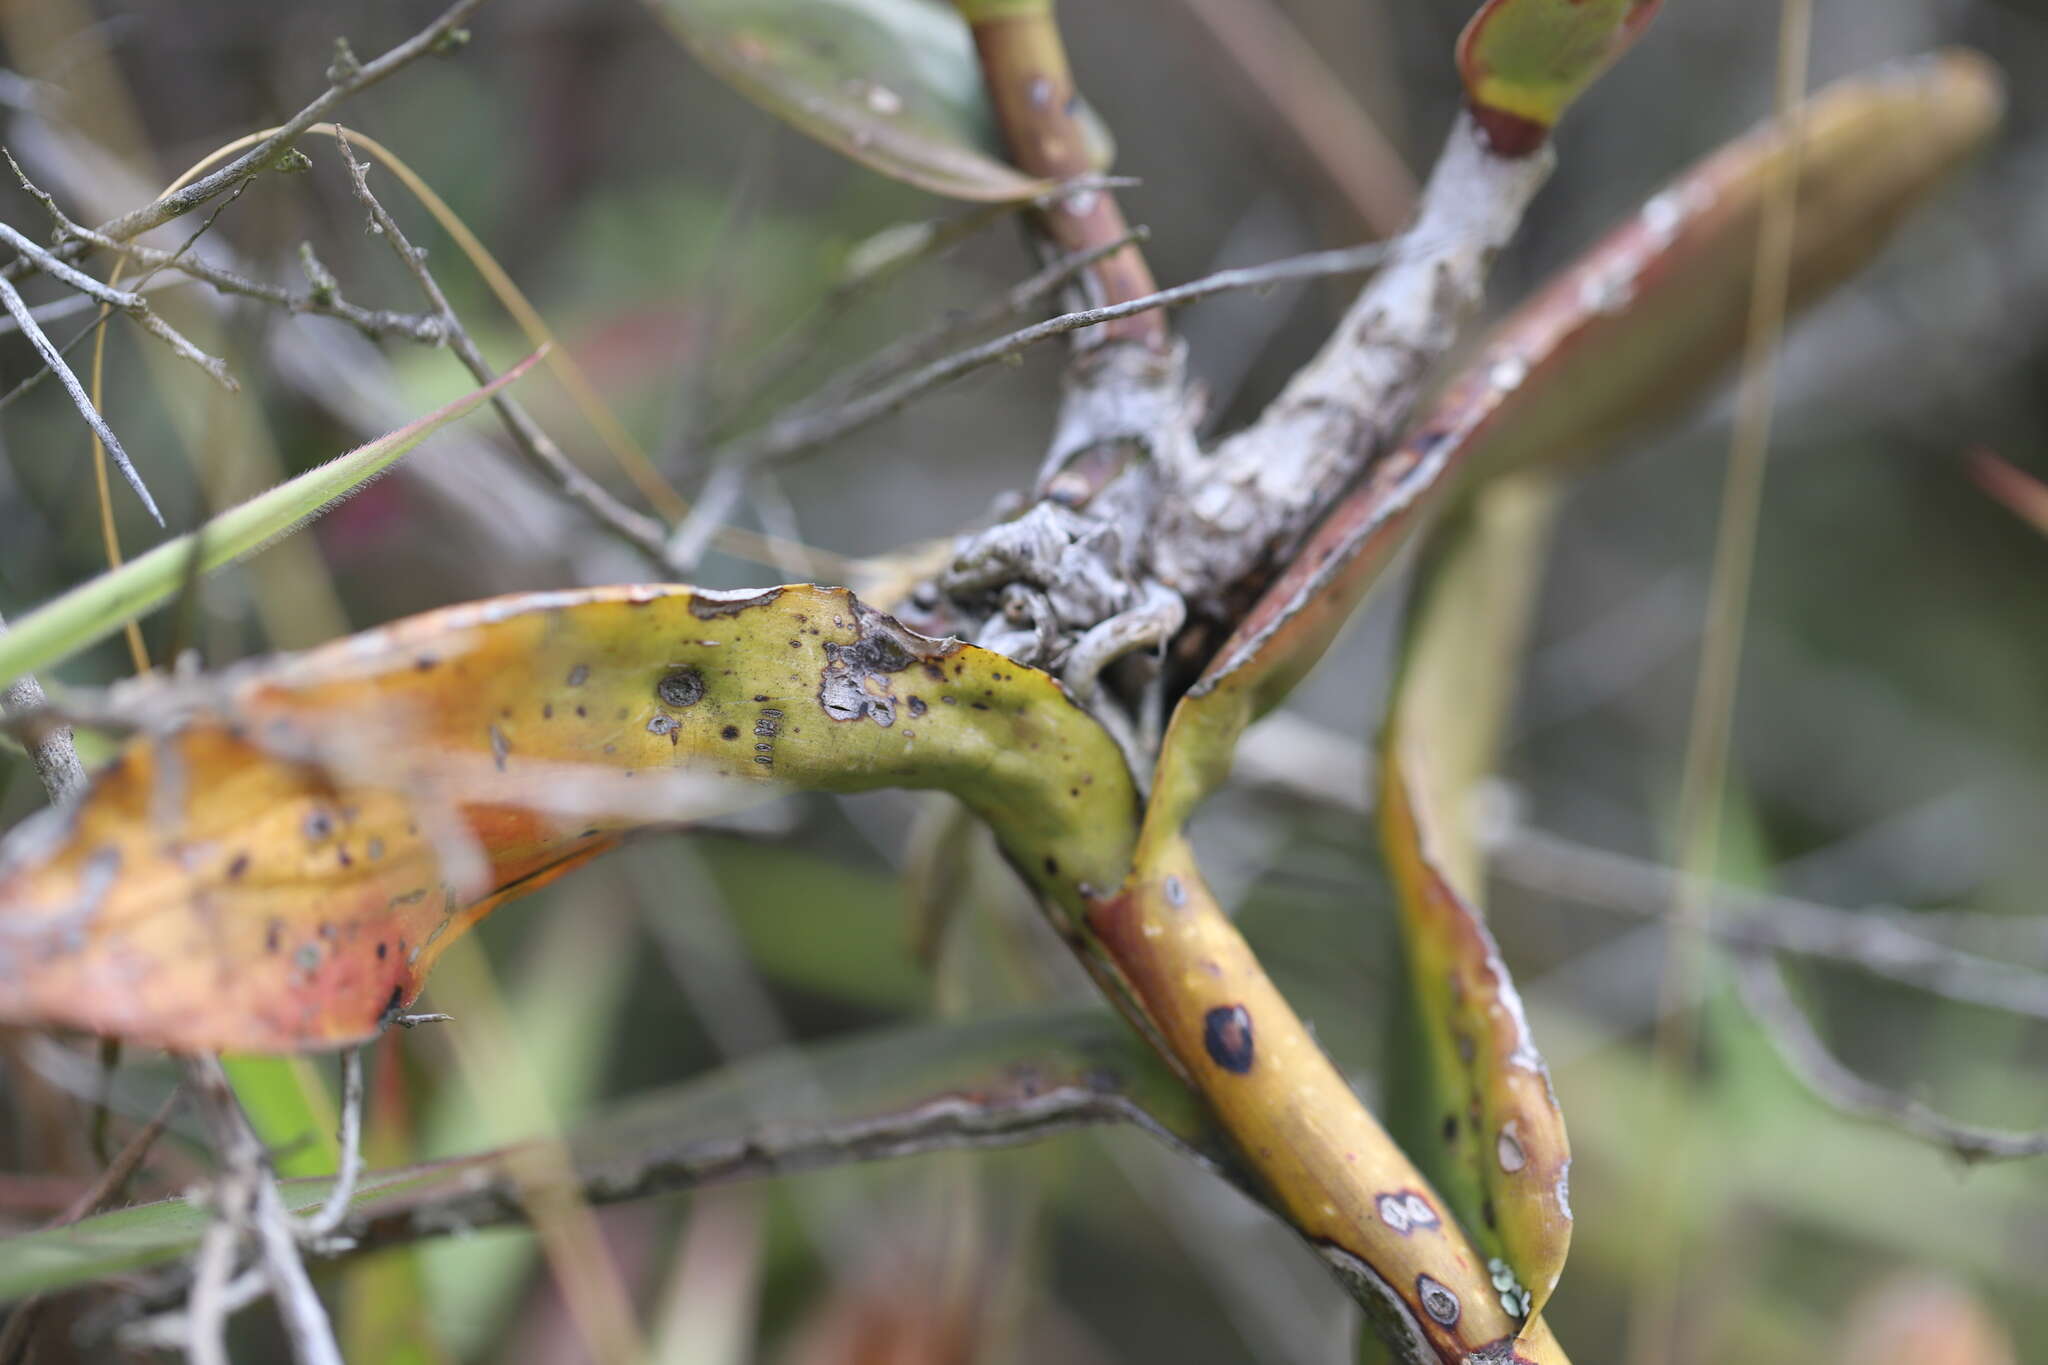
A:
<point x="1176" y="894"/>
<point x="760" y="696"/>
<point x="1227" y="1035"/>
<point x="383" y="950"/>
<point x="662" y="725"/>
<point x="730" y="732"/>
<point x="319" y="825"/>
<point x="238" y="868"/>
<point x="547" y="710"/>
<point x="1437" y="1301"/>
<point x="500" y="746"/>
<point x="341" y="855"/>
<point x="579" y="675"/>
<point x="1450" y="1127"/>
<point x="273" y="935"/>
<point x="980" y="705"/>
<point x="683" y="687"/>
<point x="425" y="662"/>
<point x="1487" y="1214"/>
<point x="582" y="710"/>
<point x="917" y="706"/>
<point x="1052" y="866"/>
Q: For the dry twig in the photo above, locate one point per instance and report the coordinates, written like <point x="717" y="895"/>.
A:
<point x="54" y="358"/>
<point x="644" y="532"/>
<point x="345" y="77"/>
<point x="1762" y="984"/>
<point x="247" y="1189"/>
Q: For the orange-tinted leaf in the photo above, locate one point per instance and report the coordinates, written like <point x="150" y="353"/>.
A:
<point x="1525" y="61"/>
<point x="280" y="868"/>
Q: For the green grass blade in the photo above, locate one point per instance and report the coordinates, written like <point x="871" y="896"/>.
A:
<point x="860" y="1098"/>
<point x="94" y="610"/>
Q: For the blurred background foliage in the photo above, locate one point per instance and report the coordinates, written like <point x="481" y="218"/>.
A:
<point x="1892" y="749"/>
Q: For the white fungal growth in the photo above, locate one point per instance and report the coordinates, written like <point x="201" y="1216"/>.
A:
<point x="1509" y="1147"/>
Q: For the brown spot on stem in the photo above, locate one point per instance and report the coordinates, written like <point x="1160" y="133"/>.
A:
<point x="1227" y="1036"/>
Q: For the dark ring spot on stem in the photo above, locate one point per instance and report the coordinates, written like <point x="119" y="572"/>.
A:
<point x="1437" y="1301"/>
<point x="1227" y="1034"/>
<point x="684" y="687"/>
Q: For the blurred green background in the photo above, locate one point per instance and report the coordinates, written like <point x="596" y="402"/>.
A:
<point x="1892" y="749"/>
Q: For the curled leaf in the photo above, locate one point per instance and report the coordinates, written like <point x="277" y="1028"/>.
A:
<point x="1483" y="1121"/>
<point x="1525" y="61"/>
<point x="278" y="861"/>
<point x="892" y="84"/>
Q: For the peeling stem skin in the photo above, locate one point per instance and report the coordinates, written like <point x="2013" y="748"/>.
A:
<point x="1249" y="503"/>
<point x="1319" y="1155"/>
<point x="1024" y="64"/>
<point x="1637" y="328"/>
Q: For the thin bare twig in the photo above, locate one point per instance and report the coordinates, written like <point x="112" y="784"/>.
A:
<point x="349" y="1170"/>
<point x="53" y="358"/>
<point x="802" y="431"/>
<point x="786" y="353"/>
<point x="644" y="532"/>
<point x="203" y="1329"/>
<point x="1761" y="982"/>
<point x="857" y="398"/>
<point x="323" y="299"/>
<point x="243" y="1159"/>
<point x="125" y="300"/>
<point x="734" y="463"/>
<point x="346" y="77"/>
<point x="1880" y="945"/>
<point x="22" y="1320"/>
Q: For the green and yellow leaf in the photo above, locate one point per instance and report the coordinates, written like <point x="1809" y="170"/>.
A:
<point x="1485" y="1123"/>
<point x="1525" y="61"/>
<point x="277" y="862"/>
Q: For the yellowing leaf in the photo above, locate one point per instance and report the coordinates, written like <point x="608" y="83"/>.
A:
<point x="1485" y="1124"/>
<point x="1525" y="61"/>
<point x="279" y="862"/>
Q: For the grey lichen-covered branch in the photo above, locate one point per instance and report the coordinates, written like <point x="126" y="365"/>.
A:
<point x="1251" y="500"/>
<point x="1132" y="509"/>
<point x="50" y="749"/>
